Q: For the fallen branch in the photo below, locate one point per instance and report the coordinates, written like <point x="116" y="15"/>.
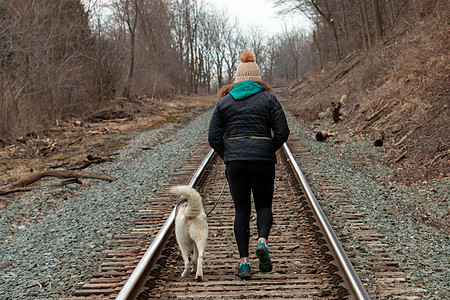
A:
<point x="91" y="161"/>
<point x="405" y="137"/>
<point x="66" y="182"/>
<point x="377" y="112"/>
<point x="22" y="184"/>
<point x="434" y="159"/>
<point x="348" y="69"/>
<point x="76" y="141"/>
<point x="403" y="155"/>
<point x="16" y="190"/>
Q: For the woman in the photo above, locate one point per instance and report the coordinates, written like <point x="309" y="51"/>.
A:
<point x="247" y="127"/>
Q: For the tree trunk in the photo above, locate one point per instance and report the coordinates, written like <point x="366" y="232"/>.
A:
<point x="132" y="29"/>
<point x="318" y="49"/>
<point x="190" y="48"/>
<point x="377" y="20"/>
<point x="99" y="68"/>
<point x="329" y="19"/>
<point x="219" y="72"/>
<point x="363" y="30"/>
<point x="366" y="24"/>
<point x="336" y="42"/>
<point x="391" y="12"/>
<point x="345" y="29"/>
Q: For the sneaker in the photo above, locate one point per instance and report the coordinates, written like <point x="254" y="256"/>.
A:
<point x="244" y="271"/>
<point x="265" y="265"/>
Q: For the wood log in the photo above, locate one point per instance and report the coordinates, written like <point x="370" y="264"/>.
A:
<point x="21" y="184"/>
<point x="323" y="135"/>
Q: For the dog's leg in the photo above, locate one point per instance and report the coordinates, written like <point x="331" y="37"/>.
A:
<point x="194" y="257"/>
<point x="200" y="250"/>
<point x="185" y="255"/>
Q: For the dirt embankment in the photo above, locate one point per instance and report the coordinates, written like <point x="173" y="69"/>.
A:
<point x="78" y="143"/>
<point x="396" y="95"/>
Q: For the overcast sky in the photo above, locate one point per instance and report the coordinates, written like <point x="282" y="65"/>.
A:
<point x="260" y="12"/>
<point x="254" y="12"/>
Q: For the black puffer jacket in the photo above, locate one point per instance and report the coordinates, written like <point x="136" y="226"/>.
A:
<point x="243" y="122"/>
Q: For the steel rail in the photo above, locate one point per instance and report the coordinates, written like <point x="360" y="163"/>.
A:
<point x="348" y="269"/>
<point x="130" y="289"/>
<point x="131" y="286"/>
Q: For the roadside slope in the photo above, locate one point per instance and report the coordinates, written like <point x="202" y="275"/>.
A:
<point x="397" y="93"/>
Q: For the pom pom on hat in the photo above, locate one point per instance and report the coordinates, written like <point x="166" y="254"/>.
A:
<point x="247" y="56"/>
<point x="248" y="69"/>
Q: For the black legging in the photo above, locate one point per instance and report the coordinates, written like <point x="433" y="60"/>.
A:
<point x="244" y="178"/>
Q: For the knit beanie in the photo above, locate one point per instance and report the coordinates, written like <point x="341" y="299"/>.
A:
<point x="247" y="69"/>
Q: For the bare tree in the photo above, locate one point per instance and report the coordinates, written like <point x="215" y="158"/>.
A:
<point x="60" y="59"/>
<point x="235" y="43"/>
<point x="377" y="20"/>
<point x="188" y="14"/>
<point x="218" y="27"/>
<point x="314" y="9"/>
<point x="363" y="23"/>
<point x="130" y="12"/>
<point x="46" y="70"/>
<point x="257" y="43"/>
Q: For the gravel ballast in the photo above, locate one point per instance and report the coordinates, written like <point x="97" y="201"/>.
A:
<point x="52" y="238"/>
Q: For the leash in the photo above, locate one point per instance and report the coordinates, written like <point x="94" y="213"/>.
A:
<point x="218" y="198"/>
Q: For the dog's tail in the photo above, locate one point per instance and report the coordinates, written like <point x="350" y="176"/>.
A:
<point x="194" y="206"/>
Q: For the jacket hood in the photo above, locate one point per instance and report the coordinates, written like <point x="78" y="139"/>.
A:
<point x="245" y="89"/>
<point x="225" y="90"/>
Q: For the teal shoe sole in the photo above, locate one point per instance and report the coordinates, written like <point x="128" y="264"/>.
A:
<point x="244" y="274"/>
<point x="265" y="265"/>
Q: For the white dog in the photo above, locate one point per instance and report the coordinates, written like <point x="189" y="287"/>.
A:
<point x="191" y="228"/>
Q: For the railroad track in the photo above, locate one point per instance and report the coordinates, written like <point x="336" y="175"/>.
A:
<point x="308" y="260"/>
